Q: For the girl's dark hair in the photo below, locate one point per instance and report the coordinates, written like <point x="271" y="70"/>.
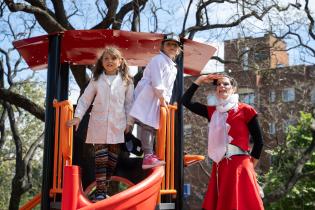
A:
<point x="232" y="80"/>
<point x="123" y="69"/>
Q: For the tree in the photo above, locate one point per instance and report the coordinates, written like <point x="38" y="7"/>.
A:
<point x="292" y="22"/>
<point x="21" y="133"/>
<point x="290" y="182"/>
<point x="23" y="138"/>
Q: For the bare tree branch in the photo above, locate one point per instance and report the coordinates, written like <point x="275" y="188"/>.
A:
<point x="155" y="18"/>
<point x="76" y="10"/>
<point x="80" y="75"/>
<point x="186" y="15"/>
<point x="135" y="24"/>
<point x="200" y="27"/>
<point x="61" y="14"/>
<point x="300" y="39"/>
<point x="9" y="70"/>
<point x="124" y="11"/>
<point x="2" y="5"/>
<point x="41" y="4"/>
<point x="311" y="19"/>
<point x="99" y="9"/>
<point x="45" y="18"/>
<point x="111" y="12"/>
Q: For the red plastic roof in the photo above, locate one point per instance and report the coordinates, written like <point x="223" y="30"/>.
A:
<point x="83" y="47"/>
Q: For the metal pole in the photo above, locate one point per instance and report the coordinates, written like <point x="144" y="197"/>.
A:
<point x="179" y="135"/>
<point x="63" y="82"/>
<point x="52" y="75"/>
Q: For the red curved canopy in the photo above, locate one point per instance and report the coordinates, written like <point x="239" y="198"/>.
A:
<point x="83" y="47"/>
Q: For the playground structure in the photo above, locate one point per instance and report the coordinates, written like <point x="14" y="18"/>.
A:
<point x="61" y="179"/>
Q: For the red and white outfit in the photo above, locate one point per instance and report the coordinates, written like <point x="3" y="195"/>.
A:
<point x="233" y="184"/>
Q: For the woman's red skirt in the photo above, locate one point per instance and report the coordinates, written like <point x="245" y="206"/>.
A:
<point x="235" y="188"/>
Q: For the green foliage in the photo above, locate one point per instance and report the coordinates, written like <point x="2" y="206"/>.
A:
<point x="36" y="184"/>
<point x="29" y="129"/>
<point x="284" y="161"/>
<point x="6" y="176"/>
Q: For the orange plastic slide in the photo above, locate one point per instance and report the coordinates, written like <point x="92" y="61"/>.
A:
<point x="141" y="196"/>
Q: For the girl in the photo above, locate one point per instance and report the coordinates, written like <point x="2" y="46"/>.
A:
<point x="112" y="90"/>
<point x="233" y="182"/>
<point x="155" y="90"/>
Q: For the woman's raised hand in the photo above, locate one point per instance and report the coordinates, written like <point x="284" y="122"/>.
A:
<point x="74" y="122"/>
<point x="207" y="79"/>
<point x="214" y="76"/>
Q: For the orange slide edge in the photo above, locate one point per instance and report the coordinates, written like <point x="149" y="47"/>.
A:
<point x="143" y="195"/>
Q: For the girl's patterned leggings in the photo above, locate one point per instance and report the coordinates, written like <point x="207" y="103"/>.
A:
<point x="106" y="156"/>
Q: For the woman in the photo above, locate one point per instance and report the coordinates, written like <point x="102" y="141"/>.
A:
<point x="233" y="184"/>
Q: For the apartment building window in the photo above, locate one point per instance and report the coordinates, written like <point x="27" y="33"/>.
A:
<point x="248" y="98"/>
<point x="245" y="58"/>
<point x="260" y="56"/>
<point x="272" y="96"/>
<point x="272" y="128"/>
<point x="313" y="96"/>
<point x="288" y="94"/>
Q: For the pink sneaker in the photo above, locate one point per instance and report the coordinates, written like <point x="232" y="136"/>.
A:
<point x="151" y="161"/>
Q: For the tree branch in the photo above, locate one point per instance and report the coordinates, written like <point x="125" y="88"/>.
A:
<point x="19" y="186"/>
<point x="200" y="27"/>
<point x="296" y="174"/>
<point x="124" y="11"/>
<point x="311" y="19"/>
<point x="61" y="14"/>
<point x="44" y="17"/>
<point x="23" y="102"/>
<point x="2" y="127"/>
<point x="31" y="151"/>
<point x="186" y="15"/>
<point x="111" y="12"/>
<point x="135" y="24"/>
<point x="15" y="134"/>
<point x="2" y="6"/>
<point x="9" y="70"/>
<point x="80" y="75"/>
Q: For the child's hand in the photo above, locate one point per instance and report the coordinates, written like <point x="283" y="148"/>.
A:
<point x="163" y="103"/>
<point x="74" y="122"/>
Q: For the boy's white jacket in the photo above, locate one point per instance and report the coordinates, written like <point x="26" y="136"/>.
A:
<point x="112" y="103"/>
<point x="158" y="80"/>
